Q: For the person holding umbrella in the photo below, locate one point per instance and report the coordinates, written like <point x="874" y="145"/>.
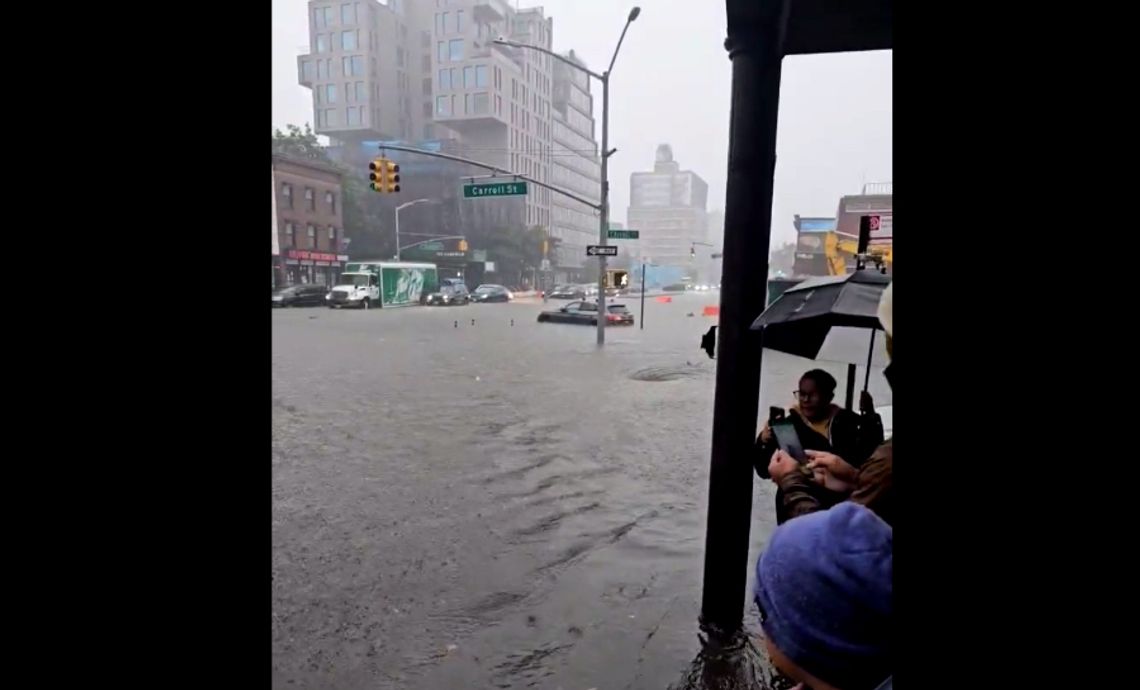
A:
<point x="823" y="427"/>
<point x="868" y="483"/>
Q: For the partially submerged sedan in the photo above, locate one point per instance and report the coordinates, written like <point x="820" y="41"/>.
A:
<point x="586" y="314"/>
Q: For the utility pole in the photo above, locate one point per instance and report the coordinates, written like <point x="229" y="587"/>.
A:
<point x="398" y="209"/>
<point x="604" y="210"/>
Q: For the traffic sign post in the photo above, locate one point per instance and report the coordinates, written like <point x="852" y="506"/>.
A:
<point x="623" y="234"/>
<point x="475" y="191"/>
<point x="601" y="250"/>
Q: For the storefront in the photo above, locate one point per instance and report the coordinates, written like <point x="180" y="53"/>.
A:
<point x="304" y="267"/>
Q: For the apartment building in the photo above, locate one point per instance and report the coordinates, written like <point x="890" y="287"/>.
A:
<point x="668" y="207"/>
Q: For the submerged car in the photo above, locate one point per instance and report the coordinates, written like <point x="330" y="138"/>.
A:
<point x="567" y="292"/>
<point x="491" y="293"/>
<point x="310" y="295"/>
<point x="450" y="292"/>
<point x="586" y="314"/>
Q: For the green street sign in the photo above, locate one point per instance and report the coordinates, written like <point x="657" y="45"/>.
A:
<point x="623" y="234"/>
<point x="474" y="191"/>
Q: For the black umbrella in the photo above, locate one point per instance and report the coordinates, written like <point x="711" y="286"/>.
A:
<point x="831" y="319"/>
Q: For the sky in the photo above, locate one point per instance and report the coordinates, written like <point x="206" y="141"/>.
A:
<point x="672" y="84"/>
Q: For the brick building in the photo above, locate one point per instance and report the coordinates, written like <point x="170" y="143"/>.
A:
<point x="309" y="207"/>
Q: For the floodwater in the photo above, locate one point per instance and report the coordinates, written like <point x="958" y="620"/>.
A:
<point x="461" y="505"/>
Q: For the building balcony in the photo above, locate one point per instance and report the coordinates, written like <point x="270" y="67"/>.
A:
<point x="491" y="10"/>
<point x="302" y="78"/>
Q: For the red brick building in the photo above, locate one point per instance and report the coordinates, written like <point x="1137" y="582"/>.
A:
<point x="309" y="212"/>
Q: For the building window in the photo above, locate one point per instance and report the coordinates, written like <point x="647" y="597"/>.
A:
<point x="290" y="235"/>
<point x="322" y="43"/>
<point x="469" y="77"/>
<point x="330" y="199"/>
<point x="307" y="70"/>
<point x="427" y="109"/>
<point x="353" y="117"/>
<point x="458" y="21"/>
<point x="353" y="66"/>
<point x="348" y="40"/>
<point x="360" y="97"/>
<point x="466" y="104"/>
<point x="440" y="23"/>
<point x="330" y="93"/>
<point x="310" y="199"/>
<point x="442" y="105"/>
<point x="287" y="194"/>
<point x="322" y="17"/>
<point x="332" y="236"/>
<point x="480" y="103"/>
<point x="348" y="92"/>
<point x="481" y="76"/>
<point x="444" y="79"/>
<point x="312" y="237"/>
<point x="322" y="72"/>
<point x="455" y="49"/>
<point x="347" y="13"/>
<point x="441" y="51"/>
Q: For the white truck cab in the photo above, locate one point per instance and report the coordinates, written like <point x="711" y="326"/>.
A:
<point x="358" y="290"/>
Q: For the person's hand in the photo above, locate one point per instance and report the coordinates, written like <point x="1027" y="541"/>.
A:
<point x="781" y="466"/>
<point x="766" y="434"/>
<point x="866" y="403"/>
<point x="831" y="471"/>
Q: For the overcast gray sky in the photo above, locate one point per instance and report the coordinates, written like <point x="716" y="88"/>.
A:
<point x="672" y="84"/>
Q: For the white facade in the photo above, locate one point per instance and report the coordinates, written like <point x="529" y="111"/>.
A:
<point x="576" y="165"/>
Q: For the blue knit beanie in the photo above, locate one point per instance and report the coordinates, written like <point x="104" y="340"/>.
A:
<point x="823" y="585"/>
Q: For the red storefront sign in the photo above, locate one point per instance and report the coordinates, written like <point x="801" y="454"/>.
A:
<point x="305" y="255"/>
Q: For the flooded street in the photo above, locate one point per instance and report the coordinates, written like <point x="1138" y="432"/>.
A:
<point x="493" y="506"/>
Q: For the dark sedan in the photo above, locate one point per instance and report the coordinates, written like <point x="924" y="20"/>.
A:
<point x="449" y="294"/>
<point x="491" y="293"/>
<point x="567" y="292"/>
<point x="586" y="314"/>
<point x="300" y="296"/>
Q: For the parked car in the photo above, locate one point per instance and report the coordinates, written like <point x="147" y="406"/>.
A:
<point x="451" y="291"/>
<point x="567" y="292"/>
<point x="491" y="293"/>
<point x="586" y="314"/>
<point x="312" y="295"/>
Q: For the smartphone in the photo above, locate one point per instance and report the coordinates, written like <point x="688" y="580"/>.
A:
<point x="789" y="440"/>
<point x="775" y="414"/>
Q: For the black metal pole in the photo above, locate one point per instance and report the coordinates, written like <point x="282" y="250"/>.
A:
<point x="850" y="386"/>
<point x="756" y="52"/>
<point x="643" y="295"/>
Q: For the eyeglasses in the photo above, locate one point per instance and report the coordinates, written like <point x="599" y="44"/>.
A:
<point x="803" y="395"/>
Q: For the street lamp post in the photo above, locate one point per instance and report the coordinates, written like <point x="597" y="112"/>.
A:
<point x="400" y="208"/>
<point x="604" y="212"/>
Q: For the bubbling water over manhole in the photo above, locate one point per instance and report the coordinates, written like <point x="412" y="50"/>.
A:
<point x="670" y="373"/>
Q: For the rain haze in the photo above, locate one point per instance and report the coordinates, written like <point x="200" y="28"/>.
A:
<point x="491" y="458"/>
<point x="672" y="83"/>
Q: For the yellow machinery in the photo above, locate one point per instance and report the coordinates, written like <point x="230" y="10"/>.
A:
<point x="839" y="251"/>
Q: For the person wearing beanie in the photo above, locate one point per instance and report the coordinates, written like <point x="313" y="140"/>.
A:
<point x="823" y="588"/>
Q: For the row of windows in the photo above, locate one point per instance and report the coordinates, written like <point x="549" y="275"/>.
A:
<point x="346" y="40"/>
<point x="324" y="17"/>
<point x="449" y="51"/>
<point x="354" y="116"/>
<point x="473" y="104"/>
<point x="310" y="198"/>
<point x="326" y="94"/>
<point x="473" y="77"/>
<point x="310" y="234"/>
<point x="448" y="22"/>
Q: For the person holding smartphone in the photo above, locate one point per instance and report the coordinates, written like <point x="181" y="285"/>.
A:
<point x="822" y="426"/>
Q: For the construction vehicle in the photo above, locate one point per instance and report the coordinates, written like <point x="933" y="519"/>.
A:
<point x="841" y="253"/>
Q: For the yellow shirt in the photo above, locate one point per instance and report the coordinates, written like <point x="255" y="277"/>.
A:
<point x="822" y="427"/>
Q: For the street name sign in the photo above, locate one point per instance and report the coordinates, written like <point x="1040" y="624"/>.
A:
<point x="623" y="234"/>
<point x="600" y="250"/>
<point x="475" y="191"/>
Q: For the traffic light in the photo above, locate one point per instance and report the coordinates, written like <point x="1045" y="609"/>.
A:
<point x="393" y="177"/>
<point x="621" y="279"/>
<point x="378" y="171"/>
<point x="384" y="176"/>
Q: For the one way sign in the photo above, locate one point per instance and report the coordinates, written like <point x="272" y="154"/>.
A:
<point x="600" y="250"/>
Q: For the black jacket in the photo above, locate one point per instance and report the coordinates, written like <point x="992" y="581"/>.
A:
<point x="853" y="437"/>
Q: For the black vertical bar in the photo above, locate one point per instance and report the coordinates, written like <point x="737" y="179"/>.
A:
<point x="756" y="51"/>
<point x="850" y="386"/>
<point x="643" y="295"/>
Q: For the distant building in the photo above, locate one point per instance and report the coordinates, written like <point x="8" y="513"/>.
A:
<point x="576" y="168"/>
<point x="667" y="206"/>
<point x="308" y="202"/>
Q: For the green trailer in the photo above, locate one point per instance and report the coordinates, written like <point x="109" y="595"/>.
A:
<point x="384" y="284"/>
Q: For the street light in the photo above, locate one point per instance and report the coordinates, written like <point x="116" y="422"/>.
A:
<point x="604" y="214"/>
<point x="398" y="209"/>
